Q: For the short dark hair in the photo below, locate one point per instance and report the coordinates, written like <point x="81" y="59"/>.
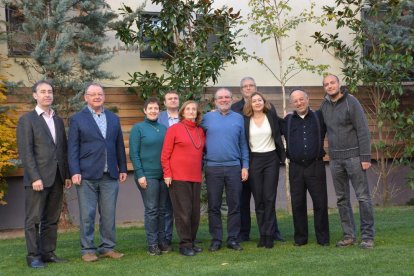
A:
<point x="171" y="92"/>
<point x="329" y="74"/>
<point x="36" y="85"/>
<point x="151" y="100"/>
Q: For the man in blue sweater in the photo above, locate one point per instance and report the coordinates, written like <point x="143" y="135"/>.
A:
<point x="350" y="155"/>
<point x="226" y="166"/>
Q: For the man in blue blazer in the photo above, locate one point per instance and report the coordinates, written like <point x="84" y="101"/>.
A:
<point x="97" y="161"/>
<point x="41" y="140"/>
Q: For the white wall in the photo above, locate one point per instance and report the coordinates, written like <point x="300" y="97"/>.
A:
<point x="124" y="62"/>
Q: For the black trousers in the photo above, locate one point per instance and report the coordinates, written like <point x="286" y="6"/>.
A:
<point x="245" y="214"/>
<point x="264" y="175"/>
<point x="42" y="216"/>
<point x="185" y="199"/>
<point x="219" y="179"/>
<point x="312" y="178"/>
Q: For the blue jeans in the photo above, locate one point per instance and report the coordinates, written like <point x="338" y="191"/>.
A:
<point x="169" y="221"/>
<point x="218" y="178"/>
<point x="154" y="198"/>
<point x="343" y="171"/>
<point x="102" y="192"/>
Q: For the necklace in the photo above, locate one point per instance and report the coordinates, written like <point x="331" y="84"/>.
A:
<point x="191" y="137"/>
<point x="156" y="129"/>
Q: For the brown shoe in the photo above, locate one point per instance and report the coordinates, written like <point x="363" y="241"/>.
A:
<point x="112" y="254"/>
<point x="367" y="244"/>
<point x="345" y="242"/>
<point x="89" y="257"/>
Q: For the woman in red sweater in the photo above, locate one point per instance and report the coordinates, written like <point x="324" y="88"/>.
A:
<point x="181" y="160"/>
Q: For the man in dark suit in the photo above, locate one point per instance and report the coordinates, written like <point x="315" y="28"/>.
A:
<point x="97" y="161"/>
<point x="247" y="87"/>
<point x="42" y="147"/>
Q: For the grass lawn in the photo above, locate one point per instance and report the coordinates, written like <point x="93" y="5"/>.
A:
<point x="393" y="253"/>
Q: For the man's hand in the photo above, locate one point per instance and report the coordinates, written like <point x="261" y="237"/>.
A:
<point x="365" y="165"/>
<point x="244" y="174"/>
<point x="76" y="179"/>
<point x="68" y="183"/>
<point x="142" y="181"/>
<point x="122" y="177"/>
<point x="37" y="185"/>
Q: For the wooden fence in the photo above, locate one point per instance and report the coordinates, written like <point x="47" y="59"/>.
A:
<point x="130" y="107"/>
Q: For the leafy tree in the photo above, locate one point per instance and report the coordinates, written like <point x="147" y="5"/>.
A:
<point x="376" y="63"/>
<point x="8" y="152"/>
<point x="67" y="38"/>
<point x="182" y="36"/>
<point x="273" y="21"/>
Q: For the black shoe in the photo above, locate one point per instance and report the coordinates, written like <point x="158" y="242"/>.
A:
<point x="197" y="249"/>
<point x="52" y="258"/>
<point x="261" y="242"/>
<point x="269" y="242"/>
<point x="214" y="246"/>
<point x="164" y="247"/>
<point x="154" y="250"/>
<point x="187" y="251"/>
<point x="243" y="239"/>
<point x="299" y="244"/>
<point x="234" y="245"/>
<point x="35" y="263"/>
<point x="324" y="243"/>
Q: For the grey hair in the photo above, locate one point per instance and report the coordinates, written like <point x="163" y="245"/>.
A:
<point x="220" y="89"/>
<point x="92" y="84"/>
<point x="245" y="79"/>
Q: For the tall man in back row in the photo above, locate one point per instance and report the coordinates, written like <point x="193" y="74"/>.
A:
<point x="350" y="154"/>
<point x="247" y="87"/>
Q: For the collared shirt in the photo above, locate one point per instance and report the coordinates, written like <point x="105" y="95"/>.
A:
<point x="304" y="143"/>
<point x="172" y="120"/>
<point x="49" y="120"/>
<point x="100" y="120"/>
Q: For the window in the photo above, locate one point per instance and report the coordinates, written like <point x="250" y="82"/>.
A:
<point x="145" y="50"/>
<point x="19" y="43"/>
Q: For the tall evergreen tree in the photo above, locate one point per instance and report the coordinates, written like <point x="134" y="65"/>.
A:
<point x="67" y="38"/>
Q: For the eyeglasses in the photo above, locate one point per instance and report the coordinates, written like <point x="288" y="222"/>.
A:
<point x="100" y="95"/>
<point x="248" y="85"/>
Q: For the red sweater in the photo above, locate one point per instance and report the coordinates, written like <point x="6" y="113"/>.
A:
<point x="182" y="152"/>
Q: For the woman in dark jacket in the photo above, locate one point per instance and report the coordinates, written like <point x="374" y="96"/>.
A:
<point x="266" y="153"/>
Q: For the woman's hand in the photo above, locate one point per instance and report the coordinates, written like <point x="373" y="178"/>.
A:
<point x="167" y="181"/>
<point x="142" y="181"/>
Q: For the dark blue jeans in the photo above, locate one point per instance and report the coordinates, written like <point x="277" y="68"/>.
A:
<point x="218" y="179"/>
<point x="343" y="171"/>
<point x="154" y="198"/>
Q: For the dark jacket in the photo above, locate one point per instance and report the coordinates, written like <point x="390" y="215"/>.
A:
<point x="275" y="123"/>
<point x="347" y="128"/>
<point x="87" y="148"/>
<point x="39" y="154"/>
